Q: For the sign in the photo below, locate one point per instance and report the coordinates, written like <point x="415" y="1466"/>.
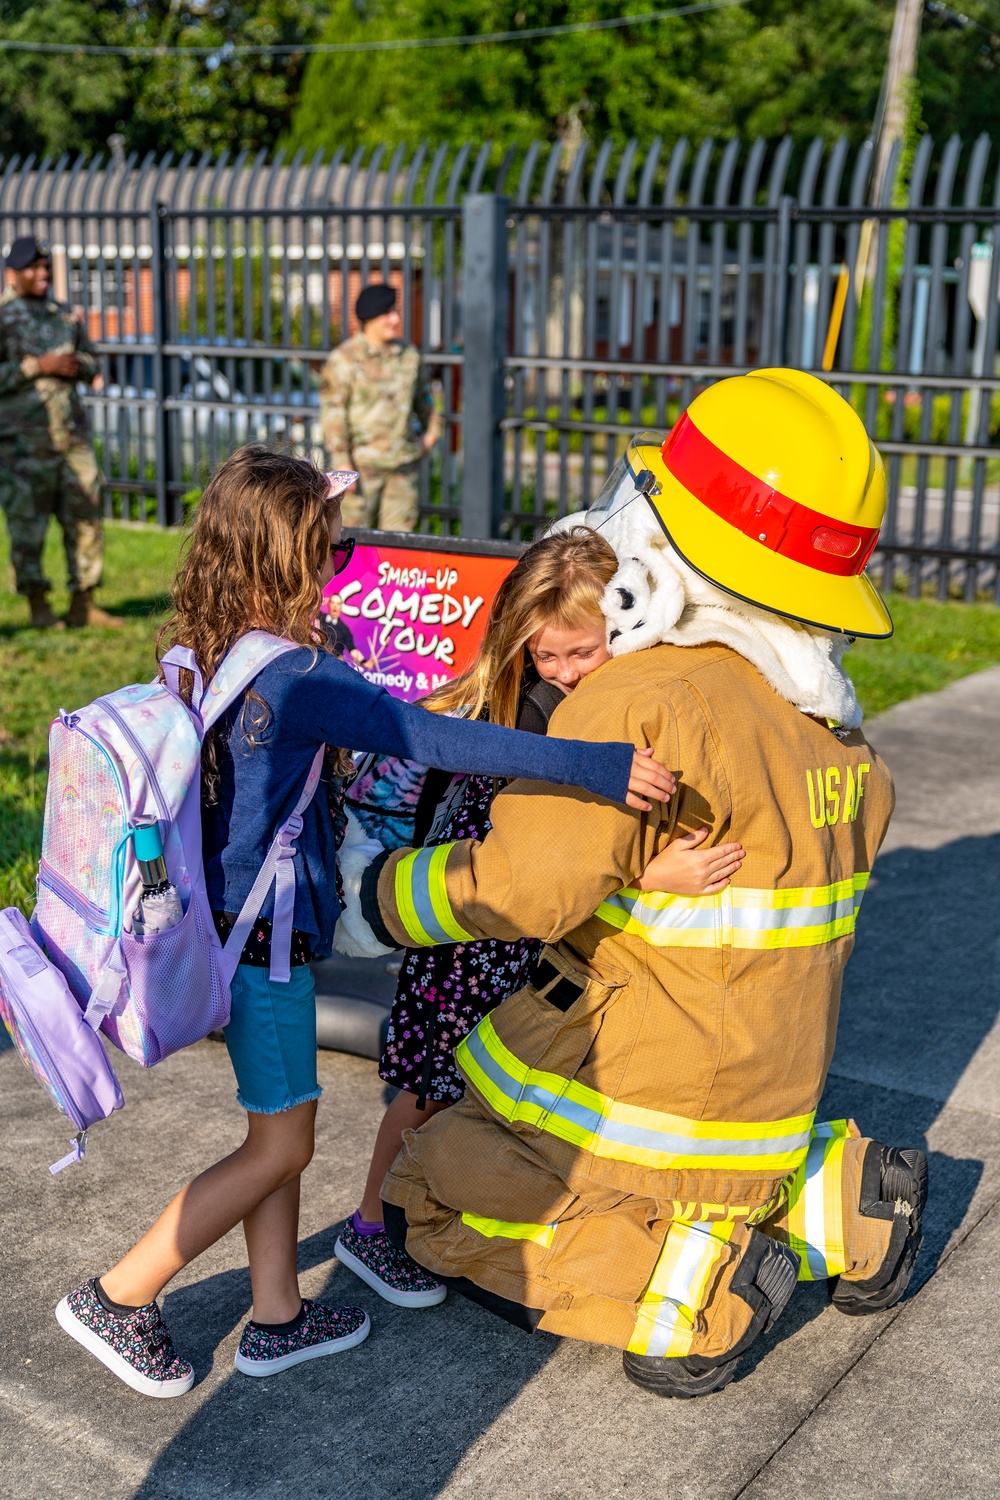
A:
<point x="980" y="275"/>
<point x="415" y="611"/>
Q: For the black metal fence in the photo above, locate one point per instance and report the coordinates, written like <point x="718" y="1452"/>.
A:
<point x="561" y="299"/>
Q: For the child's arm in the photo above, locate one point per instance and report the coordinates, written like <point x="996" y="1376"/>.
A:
<point x="684" y="869"/>
<point x="344" y="709"/>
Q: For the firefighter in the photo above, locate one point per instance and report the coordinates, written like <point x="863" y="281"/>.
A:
<point x="636" y="1160"/>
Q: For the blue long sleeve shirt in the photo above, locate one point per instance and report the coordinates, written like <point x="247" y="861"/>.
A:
<point x="318" y="700"/>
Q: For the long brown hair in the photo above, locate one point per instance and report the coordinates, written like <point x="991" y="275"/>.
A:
<point x="260" y="536"/>
<point x="557" y="581"/>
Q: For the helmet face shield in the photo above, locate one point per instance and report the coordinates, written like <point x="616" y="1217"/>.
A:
<point x="631" y="479"/>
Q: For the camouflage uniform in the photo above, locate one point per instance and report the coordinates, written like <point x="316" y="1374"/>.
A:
<point x="376" y="405"/>
<point x="47" y="464"/>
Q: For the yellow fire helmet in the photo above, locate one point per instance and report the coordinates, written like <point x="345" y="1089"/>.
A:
<point x="769" y="487"/>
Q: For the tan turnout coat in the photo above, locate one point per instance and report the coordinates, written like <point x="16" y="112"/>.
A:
<point x="680" y="1081"/>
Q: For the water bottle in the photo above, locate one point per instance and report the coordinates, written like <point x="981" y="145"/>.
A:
<point x="160" y="907"/>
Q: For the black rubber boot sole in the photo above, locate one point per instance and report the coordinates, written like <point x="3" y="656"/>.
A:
<point x="674" y="1378"/>
<point x="902" y="1197"/>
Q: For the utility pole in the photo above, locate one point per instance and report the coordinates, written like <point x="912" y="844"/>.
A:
<point x="890" y="126"/>
<point x="895" y="101"/>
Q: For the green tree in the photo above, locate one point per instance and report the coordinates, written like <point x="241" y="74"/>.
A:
<point x="773" y="65"/>
<point x="50" y="102"/>
<point x="765" y="67"/>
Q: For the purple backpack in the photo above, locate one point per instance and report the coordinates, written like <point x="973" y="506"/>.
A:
<point x="48" y="1029"/>
<point x="131" y="757"/>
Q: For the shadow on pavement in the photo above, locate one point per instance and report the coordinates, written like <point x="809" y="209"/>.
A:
<point x="396" y="1415"/>
<point x="920" y="1002"/>
<point x="392" y="1417"/>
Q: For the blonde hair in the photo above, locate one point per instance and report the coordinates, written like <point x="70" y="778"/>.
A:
<point x="557" y="581"/>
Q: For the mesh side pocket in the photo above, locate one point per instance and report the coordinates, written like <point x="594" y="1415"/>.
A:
<point x="177" y="994"/>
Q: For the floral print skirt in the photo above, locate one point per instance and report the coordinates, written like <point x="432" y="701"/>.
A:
<point x="442" y="993"/>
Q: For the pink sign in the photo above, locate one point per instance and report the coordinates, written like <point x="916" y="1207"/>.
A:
<point x="412" y="619"/>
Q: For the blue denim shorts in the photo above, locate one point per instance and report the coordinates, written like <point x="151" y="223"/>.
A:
<point x="271" y="1038"/>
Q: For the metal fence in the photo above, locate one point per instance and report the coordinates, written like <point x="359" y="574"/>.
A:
<point x="561" y="299"/>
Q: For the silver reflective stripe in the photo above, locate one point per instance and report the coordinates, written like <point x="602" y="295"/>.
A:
<point x="420" y="894"/>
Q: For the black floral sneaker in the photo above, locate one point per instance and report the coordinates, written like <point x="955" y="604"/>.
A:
<point x="136" y="1346"/>
<point x="317" y="1331"/>
<point x="390" y="1272"/>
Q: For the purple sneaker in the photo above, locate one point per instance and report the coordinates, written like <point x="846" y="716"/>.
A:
<point x="390" y="1272"/>
<point x="322" y="1330"/>
<point x="137" y="1348"/>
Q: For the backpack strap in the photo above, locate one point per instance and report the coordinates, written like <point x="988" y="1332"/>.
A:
<point x="238" y="668"/>
<point x="241" y="664"/>
<point x="234" y="674"/>
<point x="176" y="660"/>
<point x="277" y="867"/>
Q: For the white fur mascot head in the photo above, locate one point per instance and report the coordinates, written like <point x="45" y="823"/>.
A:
<point x="656" y="597"/>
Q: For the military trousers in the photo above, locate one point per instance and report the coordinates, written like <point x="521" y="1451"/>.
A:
<point x="66" y="486"/>
<point x="384" y="498"/>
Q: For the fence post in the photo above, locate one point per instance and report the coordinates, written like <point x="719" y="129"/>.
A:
<point x="782" y="268"/>
<point x="484" y="326"/>
<point x="166" y="501"/>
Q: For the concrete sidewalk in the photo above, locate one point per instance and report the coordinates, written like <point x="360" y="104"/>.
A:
<point x="450" y="1402"/>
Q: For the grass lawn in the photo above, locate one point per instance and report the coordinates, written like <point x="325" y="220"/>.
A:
<point x="43" y="671"/>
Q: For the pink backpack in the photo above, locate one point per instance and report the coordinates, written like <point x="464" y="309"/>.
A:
<point x="128" y="758"/>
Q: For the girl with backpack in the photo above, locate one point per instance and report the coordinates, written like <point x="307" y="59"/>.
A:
<point x="545" y="633"/>
<point x="266" y="541"/>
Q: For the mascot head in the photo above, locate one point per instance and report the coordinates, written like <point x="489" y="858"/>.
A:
<point x="754" y="518"/>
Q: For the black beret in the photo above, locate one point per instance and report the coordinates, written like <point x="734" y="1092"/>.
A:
<point x="374" y="300"/>
<point x="25" y="250"/>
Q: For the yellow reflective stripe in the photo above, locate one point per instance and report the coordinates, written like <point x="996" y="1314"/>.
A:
<point x="422" y="901"/>
<point x="792" y="937"/>
<point x="539" y="1234"/>
<point x="816" y="1204"/>
<point x="739" y="916"/>
<point x="438" y="892"/>
<point x="591" y="1121"/>
<point x="678" y="1288"/>
<point x="403" y="892"/>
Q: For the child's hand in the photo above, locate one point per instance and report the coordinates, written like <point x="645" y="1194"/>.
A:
<point x="649" y="779"/>
<point x="682" y="869"/>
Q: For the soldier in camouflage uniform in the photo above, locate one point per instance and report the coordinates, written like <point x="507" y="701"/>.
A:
<point x="47" y="464"/>
<point x="378" y="415"/>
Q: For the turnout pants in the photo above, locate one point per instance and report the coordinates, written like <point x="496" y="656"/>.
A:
<point x="64" y="485"/>
<point x="696" y="1303"/>
<point x="650" y="1278"/>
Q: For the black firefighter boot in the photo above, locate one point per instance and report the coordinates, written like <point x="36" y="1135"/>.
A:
<point x="42" y="615"/>
<point x="765" y="1278"/>
<point x="893" y="1186"/>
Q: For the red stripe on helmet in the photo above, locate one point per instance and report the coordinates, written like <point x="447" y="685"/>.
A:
<point x="761" y="512"/>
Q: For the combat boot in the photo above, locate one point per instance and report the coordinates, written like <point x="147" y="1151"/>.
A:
<point x="83" y="611"/>
<point x="42" y="616"/>
<point x="893" y="1187"/>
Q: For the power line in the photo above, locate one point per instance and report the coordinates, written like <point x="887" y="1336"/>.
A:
<point x="226" y="50"/>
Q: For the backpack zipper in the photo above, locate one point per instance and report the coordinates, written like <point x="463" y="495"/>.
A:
<point x="24" y="1021"/>
<point x="95" y="917"/>
<point x="70" y="721"/>
<point x="146" y="763"/>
